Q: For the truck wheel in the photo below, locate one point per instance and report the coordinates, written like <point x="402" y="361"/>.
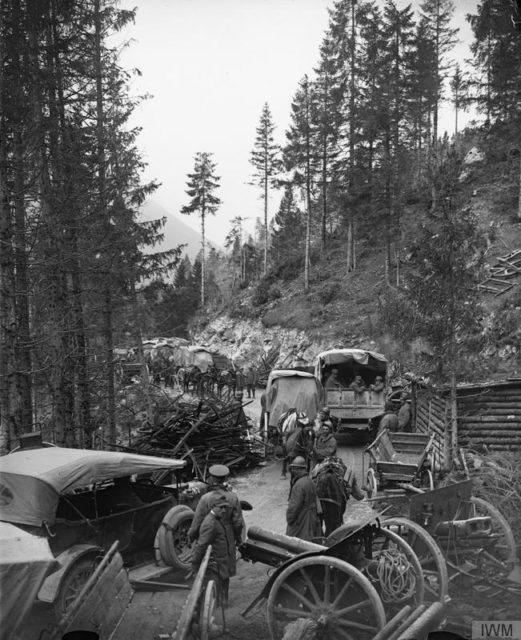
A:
<point x="174" y="545"/>
<point x="73" y="582"/>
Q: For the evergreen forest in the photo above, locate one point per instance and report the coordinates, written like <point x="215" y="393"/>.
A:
<point x="364" y="168"/>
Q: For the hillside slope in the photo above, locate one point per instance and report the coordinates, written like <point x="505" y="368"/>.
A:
<point x="344" y="309"/>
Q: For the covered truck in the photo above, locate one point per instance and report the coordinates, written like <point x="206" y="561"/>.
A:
<point x="353" y="404"/>
<point x="292" y="389"/>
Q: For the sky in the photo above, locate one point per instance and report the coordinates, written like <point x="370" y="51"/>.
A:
<point x="209" y="66"/>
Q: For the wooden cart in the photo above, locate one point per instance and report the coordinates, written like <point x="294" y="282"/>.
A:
<point x="117" y="607"/>
<point x="399" y="461"/>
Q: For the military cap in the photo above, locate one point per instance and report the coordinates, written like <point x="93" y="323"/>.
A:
<point x="219" y="471"/>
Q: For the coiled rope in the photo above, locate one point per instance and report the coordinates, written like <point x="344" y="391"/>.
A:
<point x="393" y="572"/>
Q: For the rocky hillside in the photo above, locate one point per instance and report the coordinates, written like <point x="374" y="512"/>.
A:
<point x="345" y="309"/>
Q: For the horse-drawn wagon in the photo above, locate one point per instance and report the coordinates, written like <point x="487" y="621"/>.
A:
<point x="399" y="460"/>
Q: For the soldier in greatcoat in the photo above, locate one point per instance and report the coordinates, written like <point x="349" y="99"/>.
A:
<point x="302" y="513"/>
<point x="213" y="531"/>
<point x="231" y="518"/>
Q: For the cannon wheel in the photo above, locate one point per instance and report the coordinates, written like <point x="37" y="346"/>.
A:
<point x="493" y="564"/>
<point x="429" y="554"/>
<point x="207" y="615"/>
<point x="371" y="483"/>
<point x="410" y="579"/>
<point x="335" y="595"/>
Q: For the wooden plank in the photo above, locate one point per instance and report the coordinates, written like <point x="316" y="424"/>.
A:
<point x="183" y="624"/>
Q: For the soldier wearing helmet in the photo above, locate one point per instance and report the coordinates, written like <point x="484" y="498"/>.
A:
<point x="302" y="515"/>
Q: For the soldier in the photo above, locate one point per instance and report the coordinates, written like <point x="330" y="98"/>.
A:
<point x="251" y="381"/>
<point x="302" y="513"/>
<point x="213" y="531"/>
<point x="231" y="518"/>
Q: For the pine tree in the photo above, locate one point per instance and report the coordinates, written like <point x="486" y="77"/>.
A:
<point x="300" y="154"/>
<point x="265" y="158"/>
<point x="202" y="184"/>
<point x="449" y="257"/>
<point x="438" y="16"/>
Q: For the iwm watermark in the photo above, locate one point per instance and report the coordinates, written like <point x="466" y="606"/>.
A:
<point x="496" y="630"/>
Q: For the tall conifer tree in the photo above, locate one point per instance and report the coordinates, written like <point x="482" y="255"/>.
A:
<point x="202" y="184"/>
<point x="265" y="159"/>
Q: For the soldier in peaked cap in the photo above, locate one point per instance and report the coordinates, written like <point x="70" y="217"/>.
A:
<point x="231" y="516"/>
<point x="213" y="531"/>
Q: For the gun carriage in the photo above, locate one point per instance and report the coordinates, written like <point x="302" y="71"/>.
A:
<point x="364" y="581"/>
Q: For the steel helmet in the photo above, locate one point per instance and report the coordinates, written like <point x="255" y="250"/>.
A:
<point x="299" y="462"/>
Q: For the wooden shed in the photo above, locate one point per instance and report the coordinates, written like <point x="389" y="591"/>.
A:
<point x="489" y="414"/>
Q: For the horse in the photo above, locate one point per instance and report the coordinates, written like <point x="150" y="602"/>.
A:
<point x="225" y="378"/>
<point x="189" y="378"/>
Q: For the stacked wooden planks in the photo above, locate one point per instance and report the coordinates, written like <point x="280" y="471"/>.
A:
<point x="490" y="415"/>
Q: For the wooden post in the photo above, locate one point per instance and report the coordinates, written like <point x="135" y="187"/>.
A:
<point x="453" y="420"/>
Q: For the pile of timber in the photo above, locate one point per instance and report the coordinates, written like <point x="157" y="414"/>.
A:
<point x="491" y="416"/>
<point x="213" y="431"/>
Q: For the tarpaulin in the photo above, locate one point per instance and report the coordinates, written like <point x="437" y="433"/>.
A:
<point x="288" y="389"/>
<point x="31" y="481"/>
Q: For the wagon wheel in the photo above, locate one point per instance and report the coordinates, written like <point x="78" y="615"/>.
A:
<point x="488" y="563"/>
<point x="395" y="571"/>
<point x="207" y="614"/>
<point x="371" y="483"/>
<point x="336" y="596"/>
<point x="429" y="554"/>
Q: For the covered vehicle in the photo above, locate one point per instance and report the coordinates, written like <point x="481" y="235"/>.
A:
<point x="81" y="501"/>
<point x="353" y="404"/>
<point x="292" y="389"/>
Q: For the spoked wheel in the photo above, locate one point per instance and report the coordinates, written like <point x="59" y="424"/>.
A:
<point x="207" y="615"/>
<point x="333" y="594"/>
<point x="429" y="554"/>
<point x="395" y="572"/>
<point x="490" y="560"/>
<point x="371" y="483"/>
<point x="74" y="581"/>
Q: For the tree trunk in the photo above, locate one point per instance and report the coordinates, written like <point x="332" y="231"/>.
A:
<point x="519" y="199"/>
<point x="266" y="214"/>
<point x="6" y="277"/>
<point x="104" y="219"/>
<point x="203" y="261"/>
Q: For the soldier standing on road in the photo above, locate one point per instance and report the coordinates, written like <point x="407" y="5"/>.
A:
<point x="231" y="518"/>
<point x="251" y="381"/>
<point x="302" y="513"/>
<point x="213" y="531"/>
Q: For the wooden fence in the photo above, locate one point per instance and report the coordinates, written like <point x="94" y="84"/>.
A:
<point x="489" y="414"/>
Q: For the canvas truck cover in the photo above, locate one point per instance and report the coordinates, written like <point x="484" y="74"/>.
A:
<point x="287" y="389"/>
<point x="346" y="356"/>
<point x="202" y="358"/>
<point x="25" y="561"/>
<point x="31" y="481"/>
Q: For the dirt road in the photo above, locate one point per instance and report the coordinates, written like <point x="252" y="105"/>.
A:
<point x="268" y="492"/>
